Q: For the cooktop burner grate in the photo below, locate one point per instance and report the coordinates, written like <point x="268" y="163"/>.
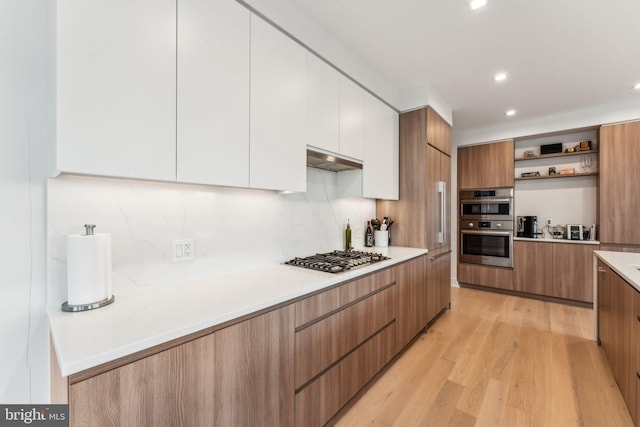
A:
<point x="338" y="261"/>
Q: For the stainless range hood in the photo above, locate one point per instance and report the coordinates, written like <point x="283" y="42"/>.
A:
<point x="330" y="162"/>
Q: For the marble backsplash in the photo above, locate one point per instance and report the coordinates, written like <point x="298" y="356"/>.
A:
<point x="233" y="229"/>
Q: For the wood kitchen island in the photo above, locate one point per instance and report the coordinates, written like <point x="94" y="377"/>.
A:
<point x="618" y="321"/>
<point x="276" y="345"/>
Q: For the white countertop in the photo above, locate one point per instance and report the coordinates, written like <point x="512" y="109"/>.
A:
<point x="623" y="263"/>
<point x="580" y="242"/>
<point x="142" y="319"/>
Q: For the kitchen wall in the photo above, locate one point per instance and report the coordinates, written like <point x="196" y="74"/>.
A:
<point x="563" y="201"/>
<point x="26" y="141"/>
<point x="233" y="228"/>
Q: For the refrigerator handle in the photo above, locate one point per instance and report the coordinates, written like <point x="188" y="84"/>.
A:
<point x="442" y="189"/>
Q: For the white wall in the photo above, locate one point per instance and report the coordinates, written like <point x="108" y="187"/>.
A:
<point x="26" y="130"/>
<point x="593" y="115"/>
<point x="233" y="228"/>
<point x="563" y="201"/>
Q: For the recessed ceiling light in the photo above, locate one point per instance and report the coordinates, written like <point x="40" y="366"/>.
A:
<point x="477" y="4"/>
<point x="500" y="77"/>
<point x="510" y="113"/>
<point x="636" y="86"/>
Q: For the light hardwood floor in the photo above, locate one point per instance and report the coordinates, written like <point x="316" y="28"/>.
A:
<point x="498" y="360"/>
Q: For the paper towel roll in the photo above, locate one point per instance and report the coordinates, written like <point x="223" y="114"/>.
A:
<point x="88" y="268"/>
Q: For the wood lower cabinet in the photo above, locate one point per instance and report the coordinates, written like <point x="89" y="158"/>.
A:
<point x="253" y="371"/>
<point x="337" y="353"/>
<point x="412" y="284"/>
<point x="486" y="165"/>
<point x="573" y="271"/>
<point x="560" y="270"/>
<point x="532" y="272"/>
<point x="618" y="330"/>
<point x="636" y="353"/>
<point x="619" y="177"/>
<point x="173" y="387"/>
<point x="439" y="283"/>
<point x="482" y="275"/>
<point x="239" y="375"/>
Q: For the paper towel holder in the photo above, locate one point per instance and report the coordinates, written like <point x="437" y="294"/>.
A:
<point x="84" y="307"/>
<point x="89" y="231"/>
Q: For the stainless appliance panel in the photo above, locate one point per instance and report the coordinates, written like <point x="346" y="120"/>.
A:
<point x="486" y="204"/>
<point x="486" y="247"/>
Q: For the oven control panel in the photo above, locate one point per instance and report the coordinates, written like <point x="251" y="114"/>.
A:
<point x="486" y="225"/>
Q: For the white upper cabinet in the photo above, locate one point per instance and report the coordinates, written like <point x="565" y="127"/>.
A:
<point x="323" y="102"/>
<point x="213" y="92"/>
<point x="380" y="163"/>
<point x="379" y="177"/>
<point x="351" y="118"/>
<point x="278" y="110"/>
<point x="116" y="88"/>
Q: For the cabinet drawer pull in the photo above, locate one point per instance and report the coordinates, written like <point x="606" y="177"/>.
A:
<point x="601" y="270"/>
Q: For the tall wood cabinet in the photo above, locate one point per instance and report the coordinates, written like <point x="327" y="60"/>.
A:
<point x="619" y="177"/>
<point x="422" y="213"/>
<point x="486" y="165"/>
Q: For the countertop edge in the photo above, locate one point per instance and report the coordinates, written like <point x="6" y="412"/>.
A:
<point x="621" y="263"/>
<point x="579" y="242"/>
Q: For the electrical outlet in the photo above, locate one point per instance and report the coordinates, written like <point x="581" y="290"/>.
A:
<point x="183" y="250"/>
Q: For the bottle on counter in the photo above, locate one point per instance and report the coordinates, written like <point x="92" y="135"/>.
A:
<point x="347" y="237"/>
<point x="368" y="236"/>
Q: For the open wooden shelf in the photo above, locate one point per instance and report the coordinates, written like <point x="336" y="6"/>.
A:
<point x="549" y="156"/>
<point x="519" y="178"/>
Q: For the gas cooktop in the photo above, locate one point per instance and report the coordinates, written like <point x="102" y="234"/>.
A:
<point x="338" y="261"/>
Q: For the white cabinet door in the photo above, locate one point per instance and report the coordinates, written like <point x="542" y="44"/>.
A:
<point x="213" y="92"/>
<point x="351" y="118"/>
<point x="278" y="110"/>
<point x="323" y="102"/>
<point x="116" y="88"/>
<point x="380" y="163"/>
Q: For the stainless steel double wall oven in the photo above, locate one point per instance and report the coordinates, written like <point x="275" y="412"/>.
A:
<point x="486" y="227"/>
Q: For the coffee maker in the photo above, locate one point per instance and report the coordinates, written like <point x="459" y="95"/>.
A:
<point x="527" y="226"/>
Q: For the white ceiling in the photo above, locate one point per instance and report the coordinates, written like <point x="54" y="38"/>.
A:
<point x="560" y="55"/>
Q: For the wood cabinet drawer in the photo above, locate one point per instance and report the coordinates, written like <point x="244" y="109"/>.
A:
<point x="317" y="347"/>
<point x="316" y="306"/>
<point x="363" y="319"/>
<point x="322" y="343"/>
<point x="364" y="363"/>
<point x="323" y="398"/>
<point x="320" y="400"/>
<point x="365" y="286"/>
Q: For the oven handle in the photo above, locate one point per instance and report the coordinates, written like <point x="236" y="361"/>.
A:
<point x="486" y="200"/>
<point x="487" y="233"/>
